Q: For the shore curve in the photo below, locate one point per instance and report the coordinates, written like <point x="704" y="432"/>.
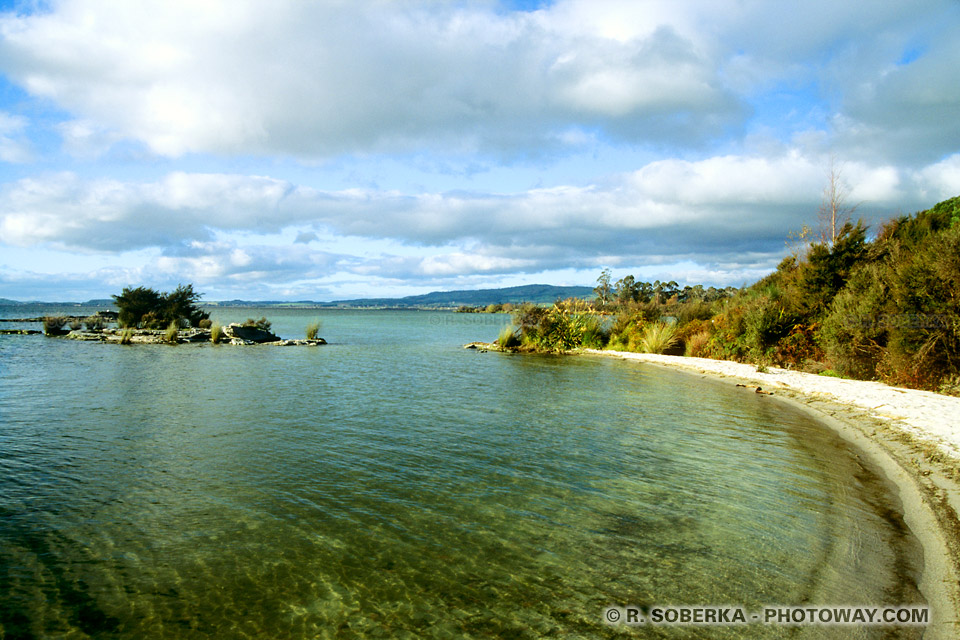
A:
<point x="912" y="436"/>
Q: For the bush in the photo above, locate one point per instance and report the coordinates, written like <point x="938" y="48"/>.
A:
<point x="627" y="329"/>
<point x="554" y="329"/>
<point x="695" y="346"/>
<point x="172" y="333"/>
<point x="205" y="323"/>
<point x="150" y="320"/>
<point x="313" y="330"/>
<point x="595" y="334"/>
<point x="95" y="323"/>
<point x="263" y="324"/>
<point x="147" y="308"/>
<point x="126" y="337"/>
<point x="53" y="325"/>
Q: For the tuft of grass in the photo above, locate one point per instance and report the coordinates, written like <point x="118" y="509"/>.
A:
<point x="595" y="334"/>
<point x="313" y="330"/>
<point x="216" y="333"/>
<point x="508" y="338"/>
<point x="172" y="332"/>
<point x="126" y="337"/>
<point x="76" y="324"/>
<point x="657" y="337"/>
<point x="830" y="373"/>
<point x="95" y="323"/>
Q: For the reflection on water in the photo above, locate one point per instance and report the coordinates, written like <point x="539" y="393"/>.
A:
<point x="394" y="485"/>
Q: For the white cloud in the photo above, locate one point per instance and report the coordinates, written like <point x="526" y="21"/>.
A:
<point x="692" y="136"/>
<point x="319" y="79"/>
<point x="14" y="147"/>
<point x="711" y="211"/>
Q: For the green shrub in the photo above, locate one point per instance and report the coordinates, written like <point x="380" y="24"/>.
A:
<point x="150" y="309"/>
<point x="263" y="324"/>
<point x="313" y="330"/>
<point x="216" y="333"/>
<point x="555" y="329"/>
<point x="53" y="325"/>
<point x="172" y="333"/>
<point x="95" y="323"/>
<point x="853" y="335"/>
<point x="562" y="331"/>
<point x="126" y="337"/>
<point x="150" y="320"/>
<point x="595" y="334"/>
<point x="627" y="329"/>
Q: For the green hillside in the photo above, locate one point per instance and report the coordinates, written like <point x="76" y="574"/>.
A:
<point x="535" y="293"/>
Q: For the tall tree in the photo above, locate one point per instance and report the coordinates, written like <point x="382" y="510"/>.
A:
<point x="626" y="290"/>
<point x="603" y="288"/>
<point x="135" y="303"/>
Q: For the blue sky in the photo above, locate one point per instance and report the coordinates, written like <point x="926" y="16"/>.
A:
<point x="327" y="150"/>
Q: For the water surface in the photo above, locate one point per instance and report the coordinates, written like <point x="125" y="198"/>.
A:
<point x="392" y="484"/>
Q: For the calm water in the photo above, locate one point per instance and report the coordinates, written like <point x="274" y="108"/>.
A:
<point x="393" y="484"/>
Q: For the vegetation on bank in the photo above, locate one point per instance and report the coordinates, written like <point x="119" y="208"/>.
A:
<point x="882" y="308"/>
<point x="146" y="308"/>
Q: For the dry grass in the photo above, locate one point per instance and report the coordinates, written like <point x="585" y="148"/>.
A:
<point x="658" y="337"/>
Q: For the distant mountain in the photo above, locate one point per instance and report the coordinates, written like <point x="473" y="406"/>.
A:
<point x="535" y="293"/>
<point x="7" y="302"/>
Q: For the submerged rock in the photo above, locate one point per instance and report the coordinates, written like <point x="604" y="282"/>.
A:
<point x="299" y="343"/>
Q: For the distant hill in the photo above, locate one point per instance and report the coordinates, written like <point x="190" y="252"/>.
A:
<point x="535" y="293"/>
<point x="7" y="302"/>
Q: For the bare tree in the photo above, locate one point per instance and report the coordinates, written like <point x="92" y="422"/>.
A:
<point x="834" y="212"/>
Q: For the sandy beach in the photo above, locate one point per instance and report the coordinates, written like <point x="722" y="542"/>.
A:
<point x="912" y="436"/>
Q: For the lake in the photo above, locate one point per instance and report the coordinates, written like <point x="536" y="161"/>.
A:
<point x="395" y="485"/>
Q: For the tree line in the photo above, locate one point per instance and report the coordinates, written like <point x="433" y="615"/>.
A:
<point x="884" y="308"/>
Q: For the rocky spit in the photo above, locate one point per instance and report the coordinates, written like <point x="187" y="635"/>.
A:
<point x="232" y="334"/>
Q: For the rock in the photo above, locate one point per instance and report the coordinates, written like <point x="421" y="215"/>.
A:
<point x="248" y="333"/>
<point x="483" y="347"/>
<point x="299" y="343"/>
<point x="86" y="336"/>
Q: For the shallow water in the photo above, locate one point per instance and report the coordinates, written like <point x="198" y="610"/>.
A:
<point x="392" y="484"/>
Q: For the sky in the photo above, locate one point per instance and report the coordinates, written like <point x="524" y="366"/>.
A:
<point x="288" y="150"/>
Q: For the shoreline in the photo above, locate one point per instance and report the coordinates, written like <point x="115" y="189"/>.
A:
<point x="912" y="436"/>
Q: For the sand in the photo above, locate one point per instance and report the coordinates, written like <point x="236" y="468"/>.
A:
<point x="912" y="436"/>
